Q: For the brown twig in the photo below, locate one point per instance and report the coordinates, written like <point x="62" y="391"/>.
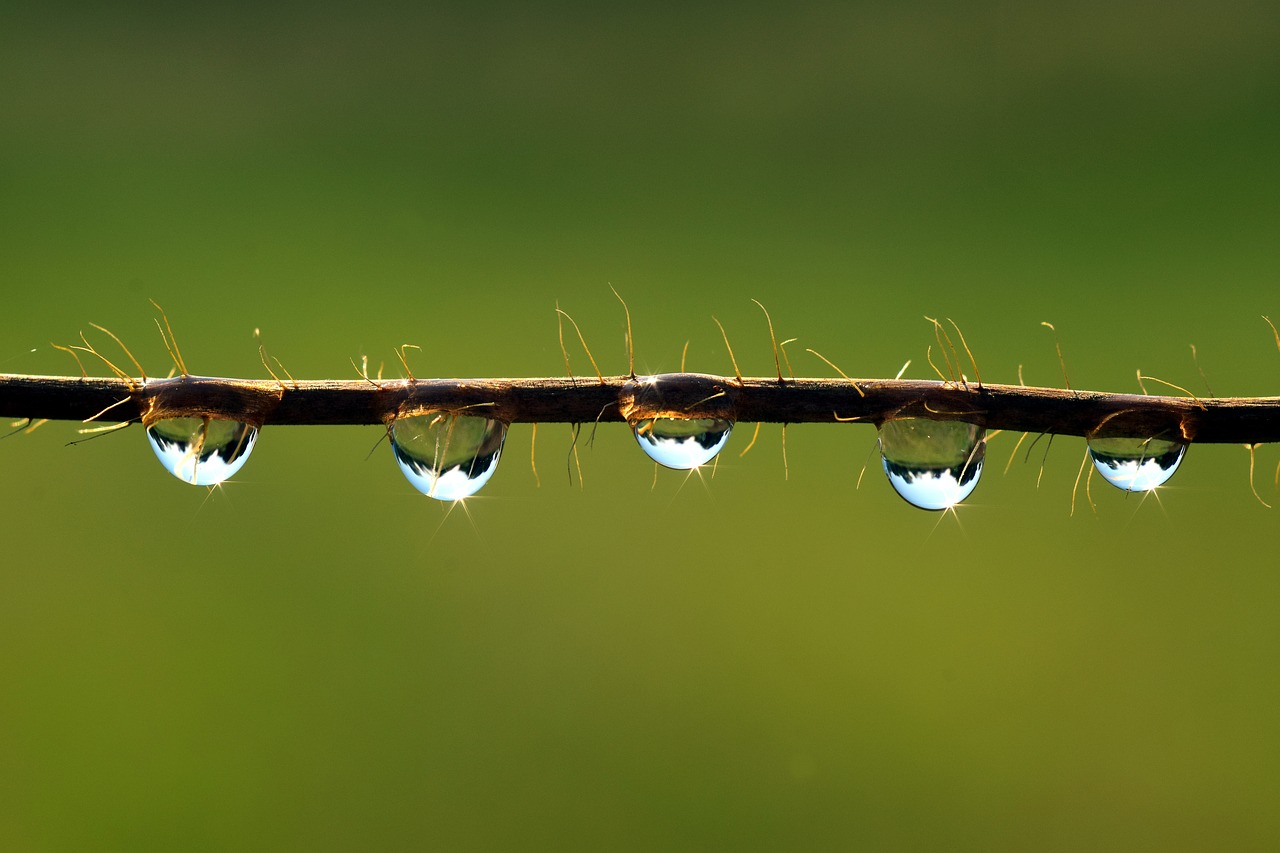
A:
<point x="1235" y="420"/>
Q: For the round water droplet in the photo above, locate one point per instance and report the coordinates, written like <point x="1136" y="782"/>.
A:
<point x="447" y="457"/>
<point x="682" y="443"/>
<point x="1136" y="464"/>
<point x="933" y="464"/>
<point x="202" y="451"/>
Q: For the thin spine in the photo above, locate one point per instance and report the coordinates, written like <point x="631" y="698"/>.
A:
<point x="725" y="335"/>
<point x="1171" y="385"/>
<point x="928" y="356"/>
<point x="404" y="360"/>
<point x="170" y="342"/>
<point x="1195" y="358"/>
<point x="832" y="365"/>
<point x="1076" y="486"/>
<point x="533" y="455"/>
<point x="777" y="364"/>
<point x="1251" y="448"/>
<point x="574" y="431"/>
<point x="582" y="341"/>
<point x="786" y="466"/>
<point x="1057" y="345"/>
<point x="141" y="373"/>
<point x="631" y="347"/>
<point x="120" y="374"/>
<point x="1014" y="453"/>
<point x="782" y="346"/>
<point x="1043" y="459"/>
<point x="84" y="374"/>
<point x="953" y="359"/>
<point x="752" y="443"/>
<point x="976" y="373"/>
<point x="262" y="356"/>
<point x="362" y="370"/>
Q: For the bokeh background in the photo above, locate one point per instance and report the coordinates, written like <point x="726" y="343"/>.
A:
<point x="318" y="657"/>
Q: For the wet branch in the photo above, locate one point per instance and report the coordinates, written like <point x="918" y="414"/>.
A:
<point x="1237" y="420"/>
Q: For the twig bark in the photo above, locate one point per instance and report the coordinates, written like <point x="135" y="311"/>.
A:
<point x="1237" y="420"/>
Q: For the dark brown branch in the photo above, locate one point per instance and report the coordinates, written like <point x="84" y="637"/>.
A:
<point x="1237" y="420"/>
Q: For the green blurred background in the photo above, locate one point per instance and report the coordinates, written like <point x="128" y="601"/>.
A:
<point x="318" y="657"/>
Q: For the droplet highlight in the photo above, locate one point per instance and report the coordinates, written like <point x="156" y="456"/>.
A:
<point x="202" y="451"/>
<point x="932" y="464"/>
<point x="682" y="443"/>
<point x="1136" y="464"/>
<point x="447" y="457"/>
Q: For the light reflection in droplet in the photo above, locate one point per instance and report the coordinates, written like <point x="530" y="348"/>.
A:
<point x="682" y="443"/>
<point x="447" y="457"/>
<point x="1136" y="464"/>
<point x="932" y="464"/>
<point x="202" y="451"/>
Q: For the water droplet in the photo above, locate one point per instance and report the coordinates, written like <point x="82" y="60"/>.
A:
<point x="682" y="443"/>
<point x="932" y="464"/>
<point x="447" y="457"/>
<point x="1136" y="464"/>
<point x="202" y="451"/>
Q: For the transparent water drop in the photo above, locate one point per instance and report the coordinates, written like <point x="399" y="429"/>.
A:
<point x="447" y="457"/>
<point x="1136" y="464"/>
<point x="682" y="443"/>
<point x="202" y="451"/>
<point x="932" y="464"/>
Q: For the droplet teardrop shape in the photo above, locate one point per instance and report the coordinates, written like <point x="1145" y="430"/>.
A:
<point x="1136" y="464"/>
<point x="682" y="443"/>
<point x="445" y="456"/>
<point x="932" y="464"/>
<point x="202" y="451"/>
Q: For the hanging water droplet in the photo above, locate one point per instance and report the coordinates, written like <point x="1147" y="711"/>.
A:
<point x="1136" y="464"/>
<point x="202" y="451"/>
<point x="447" y="457"/>
<point x="682" y="443"/>
<point x="933" y="464"/>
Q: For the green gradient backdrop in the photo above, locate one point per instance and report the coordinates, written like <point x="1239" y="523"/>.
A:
<point x="317" y="657"/>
